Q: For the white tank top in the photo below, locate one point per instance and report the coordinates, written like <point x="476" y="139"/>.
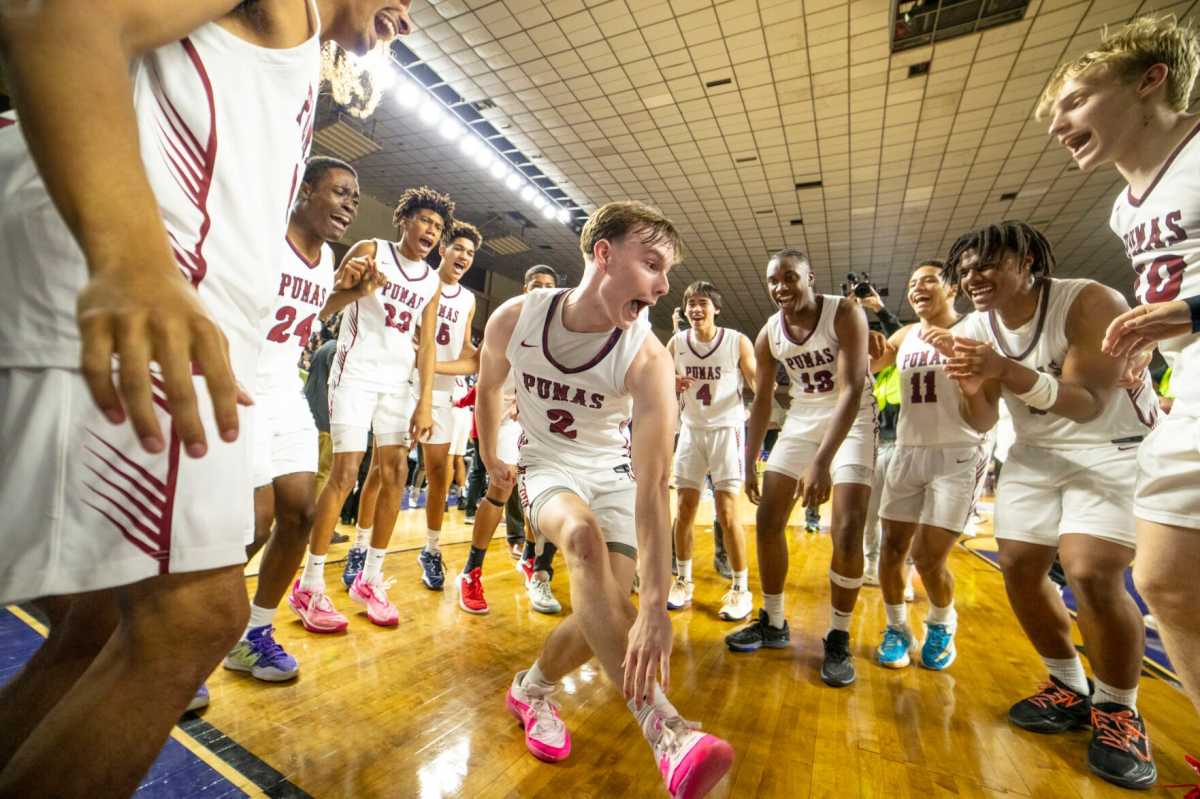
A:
<point x="455" y="307"/>
<point x="929" y="415"/>
<point x="811" y="367"/>
<point x="1041" y="344"/>
<point x="1161" y="232"/>
<point x="375" y="341"/>
<point x="300" y="295"/>
<point x="571" y="396"/>
<point x="715" y="398"/>
<point x="224" y="127"/>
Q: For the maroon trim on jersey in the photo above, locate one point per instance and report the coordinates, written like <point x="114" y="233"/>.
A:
<point x="567" y="370"/>
<point x="7" y="122"/>
<point x="446" y="296"/>
<point x="400" y="265"/>
<point x="1134" y="395"/>
<point x="310" y="264"/>
<point x="1043" y="312"/>
<point x="788" y="334"/>
<point x="1136" y="202"/>
<point x="191" y="164"/>
<point x="344" y="354"/>
<point x="715" y="346"/>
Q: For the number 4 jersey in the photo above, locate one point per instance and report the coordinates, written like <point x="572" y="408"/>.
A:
<point x="715" y="396"/>
<point x="300" y="293"/>
<point x="811" y="365"/>
<point x="1161" y="232"/>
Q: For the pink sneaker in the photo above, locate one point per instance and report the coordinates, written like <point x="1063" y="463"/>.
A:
<point x="546" y="735"/>
<point x="691" y="762"/>
<point x="372" y="594"/>
<point x="316" y="612"/>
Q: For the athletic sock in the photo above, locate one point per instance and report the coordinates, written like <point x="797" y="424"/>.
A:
<point x="773" y="605"/>
<point x="530" y="550"/>
<point x="839" y="620"/>
<point x="897" y="615"/>
<point x="313" y="578"/>
<point x="374" y="564"/>
<point x="431" y="540"/>
<point x="1106" y="693"/>
<point x="362" y="537"/>
<point x="946" y="615"/>
<point x="259" y="617"/>
<point x="536" y="680"/>
<point x="741" y="580"/>
<point x="544" y="562"/>
<point x="1069" y="672"/>
<point x="659" y="705"/>
<point x="685" y="570"/>
<point x="474" y="559"/>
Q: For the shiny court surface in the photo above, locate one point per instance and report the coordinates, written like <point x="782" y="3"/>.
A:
<point x="418" y="710"/>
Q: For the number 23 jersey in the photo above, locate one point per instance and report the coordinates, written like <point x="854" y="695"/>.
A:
<point x="1161" y="234"/>
<point x="571" y="396"/>
<point x="811" y="365"/>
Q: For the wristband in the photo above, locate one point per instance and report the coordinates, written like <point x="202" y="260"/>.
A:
<point x="1193" y="304"/>
<point x="1043" y="395"/>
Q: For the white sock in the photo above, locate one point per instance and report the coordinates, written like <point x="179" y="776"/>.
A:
<point x="685" y="570"/>
<point x="741" y="580"/>
<point x="839" y="620"/>
<point x="362" y="537"/>
<point x="773" y="605"/>
<point x="313" y="578"/>
<point x="259" y="617"/>
<point x="1106" y="693"/>
<point x="374" y="564"/>
<point x="946" y="615"/>
<point x="535" y="679"/>
<point x="897" y="615"/>
<point x="1069" y="671"/>
<point x="431" y="539"/>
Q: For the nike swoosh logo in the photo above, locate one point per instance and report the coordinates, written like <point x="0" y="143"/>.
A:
<point x="525" y="344"/>
<point x="1126" y="449"/>
<point x="964" y="460"/>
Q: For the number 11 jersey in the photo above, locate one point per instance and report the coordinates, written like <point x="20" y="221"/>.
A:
<point x="929" y="412"/>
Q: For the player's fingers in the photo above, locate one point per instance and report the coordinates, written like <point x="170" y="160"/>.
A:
<point x="648" y="675"/>
<point x="97" y="368"/>
<point x="210" y="352"/>
<point x="171" y="352"/>
<point x="664" y="669"/>
<point x="133" y="352"/>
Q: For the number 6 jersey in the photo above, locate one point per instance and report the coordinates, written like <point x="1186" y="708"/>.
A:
<point x="571" y="396"/>
<point x="811" y="365"/>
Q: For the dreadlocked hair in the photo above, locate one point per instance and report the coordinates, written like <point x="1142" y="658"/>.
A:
<point x="990" y="242"/>
<point x="413" y="200"/>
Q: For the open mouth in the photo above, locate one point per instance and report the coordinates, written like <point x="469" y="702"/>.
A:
<point x="919" y="299"/>
<point x="426" y="242"/>
<point x="387" y="28"/>
<point x="340" y="222"/>
<point x="1076" y="143"/>
<point x="460" y="267"/>
<point x="980" y="295"/>
<point x="638" y="306"/>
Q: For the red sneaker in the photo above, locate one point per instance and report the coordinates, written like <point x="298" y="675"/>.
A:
<point x="470" y="592"/>
<point x="525" y="569"/>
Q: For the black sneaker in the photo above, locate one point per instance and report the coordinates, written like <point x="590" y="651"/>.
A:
<point x="757" y="634"/>
<point x="837" y="671"/>
<point x="1054" y="708"/>
<point x="1120" y="748"/>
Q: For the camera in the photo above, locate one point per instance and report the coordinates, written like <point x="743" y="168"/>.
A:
<point x="681" y="319"/>
<point x="858" y="284"/>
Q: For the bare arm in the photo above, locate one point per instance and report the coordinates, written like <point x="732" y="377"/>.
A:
<point x="747" y="363"/>
<point x="467" y="362"/>
<point x="765" y="366"/>
<point x="422" y="421"/>
<point x="489" y="400"/>
<point x="356" y="277"/>
<point x="890" y="350"/>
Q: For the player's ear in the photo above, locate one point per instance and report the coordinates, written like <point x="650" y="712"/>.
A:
<point x="1152" y="80"/>
<point x="601" y="252"/>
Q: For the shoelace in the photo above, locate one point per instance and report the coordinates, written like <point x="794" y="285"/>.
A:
<point x="1051" y="694"/>
<point x="835" y="651"/>
<point x="473" y="586"/>
<point x="321" y="602"/>
<point x="1119" y="730"/>
<point x="267" y="647"/>
<point x="379" y="587"/>
<point x="1194" y="793"/>
<point x="938" y="636"/>
<point x="893" y="638"/>
<point x="672" y="734"/>
<point x="545" y="717"/>
<point x="732" y="596"/>
<point x="542" y="589"/>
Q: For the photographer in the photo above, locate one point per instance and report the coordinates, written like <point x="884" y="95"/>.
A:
<point x="858" y="288"/>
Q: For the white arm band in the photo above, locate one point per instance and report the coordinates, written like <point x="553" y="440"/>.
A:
<point x="1043" y="395"/>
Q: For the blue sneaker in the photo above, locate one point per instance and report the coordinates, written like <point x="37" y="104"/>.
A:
<point x="433" y="570"/>
<point x="895" y="650"/>
<point x="937" y="651"/>
<point x="355" y="559"/>
<point x="199" y="701"/>
<point x="259" y="654"/>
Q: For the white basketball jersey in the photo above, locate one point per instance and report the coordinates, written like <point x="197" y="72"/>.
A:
<point x="375" y="341"/>
<point x="1161" y="232"/>
<point x="811" y="366"/>
<point x="929" y="415"/>
<point x="715" y="398"/>
<point x="571" y="396"/>
<point x="1041" y="344"/>
<point x="224" y="127"/>
<point x="303" y="288"/>
<point x="454" y="309"/>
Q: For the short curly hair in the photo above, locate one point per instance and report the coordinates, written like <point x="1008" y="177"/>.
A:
<point x="463" y="230"/>
<point x="413" y="200"/>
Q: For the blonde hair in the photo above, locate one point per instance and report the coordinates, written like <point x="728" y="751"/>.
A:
<point x="613" y="221"/>
<point x="1128" y="52"/>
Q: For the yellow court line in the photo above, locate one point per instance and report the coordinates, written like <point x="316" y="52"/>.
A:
<point x="218" y="765"/>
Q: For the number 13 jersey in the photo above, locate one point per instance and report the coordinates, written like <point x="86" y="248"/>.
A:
<point x="571" y="396"/>
<point x="811" y="365"/>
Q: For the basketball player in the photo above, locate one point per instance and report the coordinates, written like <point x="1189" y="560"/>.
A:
<point x="487" y="516"/>
<point x="1125" y="104"/>
<point x="369" y="388"/>
<point x="582" y="360"/>
<point x="827" y="447"/>
<point x="710" y="364"/>
<point x="1067" y="486"/>
<point x="930" y="485"/>
<point x="115" y="195"/>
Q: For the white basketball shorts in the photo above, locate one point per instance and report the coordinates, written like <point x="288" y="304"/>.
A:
<point x="355" y="411"/>
<point x="933" y="486"/>
<point x="718" y="451"/>
<point x="460" y="430"/>
<point x="1168" y="482"/>
<point x="285" y="436"/>
<point x="797" y="446"/>
<point x="610" y="493"/>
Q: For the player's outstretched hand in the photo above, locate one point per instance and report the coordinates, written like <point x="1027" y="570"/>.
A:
<point x="146" y="316"/>
<point x="815" y="485"/>
<point x="1139" y="328"/>
<point x="648" y="655"/>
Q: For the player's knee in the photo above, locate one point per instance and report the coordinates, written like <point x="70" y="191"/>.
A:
<point x="927" y="562"/>
<point x="393" y="471"/>
<point x="295" y="522"/>
<point x="343" y="475"/>
<point x="689" y="501"/>
<point x="200" y="617"/>
<point x="894" y="548"/>
<point x="583" y="543"/>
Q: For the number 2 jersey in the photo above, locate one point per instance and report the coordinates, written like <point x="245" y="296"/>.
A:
<point x="811" y="365"/>
<point x="375" y="341"/>
<point x="571" y="396"/>
<point x="300" y="295"/>
<point x="715" y="397"/>
<point x="1161" y="233"/>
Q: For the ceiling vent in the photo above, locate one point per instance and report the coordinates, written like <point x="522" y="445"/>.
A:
<point x="505" y="245"/>
<point x="341" y="138"/>
<point x="916" y="23"/>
